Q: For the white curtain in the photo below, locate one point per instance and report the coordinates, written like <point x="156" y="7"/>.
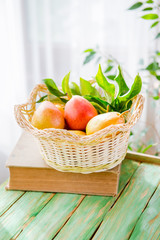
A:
<point x="13" y="78"/>
<point x="46" y="38"/>
<point x="57" y="31"/>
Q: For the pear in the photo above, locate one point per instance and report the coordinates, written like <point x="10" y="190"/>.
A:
<point x="78" y="111"/>
<point x="104" y="120"/>
<point x="48" y="115"/>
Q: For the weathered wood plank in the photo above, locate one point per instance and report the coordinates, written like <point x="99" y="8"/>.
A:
<point x="22" y="213"/>
<point x="7" y="198"/>
<point x="52" y="217"/>
<point x="142" y="157"/>
<point x="121" y="219"/>
<point x="156" y="235"/>
<point x="92" y="210"/>
<point x="149" y="222"/>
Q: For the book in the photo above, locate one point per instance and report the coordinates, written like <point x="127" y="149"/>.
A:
<point x="29" y="172"/>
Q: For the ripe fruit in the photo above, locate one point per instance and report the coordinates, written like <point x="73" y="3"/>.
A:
<point x="78" y="111"/>
<point x="48" y="115"/>
<point x="104" y="120"/>
<point x="60" y="107"/>
<point x="78" y="132"/>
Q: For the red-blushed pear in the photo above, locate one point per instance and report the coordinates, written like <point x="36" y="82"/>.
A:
<point x="78" y="111"/>
<point x="48" y="115"/>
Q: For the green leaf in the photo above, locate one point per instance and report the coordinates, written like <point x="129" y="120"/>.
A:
<point x="131" y="133"/>
<point x="157" y="53"/>
<point x="135" y="90"/>
<point x="99" y="108"/>
<point x="52" y="98"/>
<point x="55" y="99"/>
<point x="130" y="148"/>
<point x="150" y="1"/>
<point x="150" y="16"/>
<point x="109" y="61"/>
<point x="123" y="88"/>
<point x="140" y="148"/>
<point x="147" y="9"/>
<point x="108" y="69"/>
<point x="75" y="88"/>
<point x="63" y="100"/>
<point x="103" y="83"/>
<point x="129" y="104"/>
<point x="148" y="147"/>
<point x="156" y="97"/>
<point x="152" y="73"/>
<point x="154" y="66"/>
<point x="65" y="85"/>
<point x="154" y="24"/>
<point x="156" y="154"/>
<point x="158" y="77"/>
<point x="50" y="82"/>
<point x="89" y="57"/>
<point x="111" y="77"/>
<point x="89" y="50"/>
<point x="98" y="59"/>
<point x="87" y="88"/>
<point x="42" y="99"/>
<point x="157" y="36"/>
<point x="52" y="89"/>
<point x="136" y="5"/>
<point x="97" y="100"/>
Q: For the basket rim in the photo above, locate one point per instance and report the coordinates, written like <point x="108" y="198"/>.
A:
<point x="85" y="170"/>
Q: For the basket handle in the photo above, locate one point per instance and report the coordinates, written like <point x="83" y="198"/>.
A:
<point x="136" y="110"/>
<point x="20" y="118"/>
<point x="20" y="110"/>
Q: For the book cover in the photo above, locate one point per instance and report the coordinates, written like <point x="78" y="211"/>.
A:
<point x="29" y="172"/>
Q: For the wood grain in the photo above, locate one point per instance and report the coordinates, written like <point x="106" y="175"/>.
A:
<point x="149" y="222"/>
<point x="142" y="157"/>
<point x="52" y="217"/>
<point x="7" y="198"/>
<point x="22" y="213"/>
<point x="92" y="210"/>
<point x="121" y="219"/>
<point x="134" y="215"/>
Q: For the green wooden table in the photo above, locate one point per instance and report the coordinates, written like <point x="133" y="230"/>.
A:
<point x="134" y="214"/>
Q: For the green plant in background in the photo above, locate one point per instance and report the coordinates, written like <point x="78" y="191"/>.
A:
<point x="150" y="11"/>
<point x="109" y="62"/>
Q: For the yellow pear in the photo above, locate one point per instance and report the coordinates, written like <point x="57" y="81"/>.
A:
<point x="103" y="120"/>
<point x="47" y="115"/>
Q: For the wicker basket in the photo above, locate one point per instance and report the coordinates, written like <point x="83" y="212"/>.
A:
<point x="66" y="151"/>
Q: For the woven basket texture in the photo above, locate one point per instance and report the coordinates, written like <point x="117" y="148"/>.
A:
<point x="66" y="151"/>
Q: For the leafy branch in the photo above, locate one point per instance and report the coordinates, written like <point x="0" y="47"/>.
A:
<point x="116" y="96"/>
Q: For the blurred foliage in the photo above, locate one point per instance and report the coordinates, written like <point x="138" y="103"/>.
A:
<point x="150" y="11"/>
<point x="109" y="62"/>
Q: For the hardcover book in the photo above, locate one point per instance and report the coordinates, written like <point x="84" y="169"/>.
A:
<point x="29" y="172"/>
